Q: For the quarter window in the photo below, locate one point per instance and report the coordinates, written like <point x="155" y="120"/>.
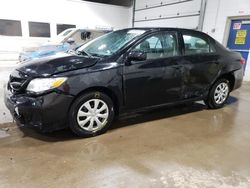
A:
<point x="161" y="45"/>
<point x="196" y="45"/>
<point x="39" y="29"/>
<point x="10" y="28"/>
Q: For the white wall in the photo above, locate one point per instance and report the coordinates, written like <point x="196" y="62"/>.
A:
<point x="80" y="13"/>
<point x="185" y="8"/>
<point x="216" y="22"/>
<point x="217" y="13"/>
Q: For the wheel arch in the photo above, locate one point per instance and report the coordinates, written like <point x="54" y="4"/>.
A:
<point x="230" y="77"/>
<point x="104" y="90"/>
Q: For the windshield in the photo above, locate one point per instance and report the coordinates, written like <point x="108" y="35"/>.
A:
<point x="110" y="43"/>
<point x="65" y="32"/>
<point x="61" y="36"/>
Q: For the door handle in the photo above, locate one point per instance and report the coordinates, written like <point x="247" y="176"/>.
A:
<point x="212" y="62"/>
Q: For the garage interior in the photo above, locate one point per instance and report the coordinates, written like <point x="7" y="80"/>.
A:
<point x="177" y="146"/>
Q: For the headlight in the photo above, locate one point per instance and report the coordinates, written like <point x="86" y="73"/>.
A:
<point x="43" y="84"/>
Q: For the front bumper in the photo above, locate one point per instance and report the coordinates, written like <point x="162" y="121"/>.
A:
<point x="45" y="113"/>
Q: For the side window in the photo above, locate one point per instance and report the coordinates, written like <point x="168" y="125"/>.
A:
<point x="161" y="45"/>
<point x="155" y="42"/>
<point x="85" y="35"/>
<point x="81" y="37"/>
<point x="77" y="37"/>
<point x="196" y="45"/>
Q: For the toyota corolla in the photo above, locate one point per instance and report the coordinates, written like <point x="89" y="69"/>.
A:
<point x="123" y="71"/>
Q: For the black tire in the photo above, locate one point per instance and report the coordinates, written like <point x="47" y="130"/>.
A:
<point x="210" y="101"/>
<point x="73" y="118"/>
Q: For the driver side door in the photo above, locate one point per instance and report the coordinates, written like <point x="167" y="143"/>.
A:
<point x="156" y="80"/>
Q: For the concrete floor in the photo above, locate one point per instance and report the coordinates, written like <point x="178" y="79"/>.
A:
<point x="184" y="146"/>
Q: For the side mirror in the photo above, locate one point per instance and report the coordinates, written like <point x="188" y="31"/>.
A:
<point x="137" y="55"/>
<point x="70" y="40"/>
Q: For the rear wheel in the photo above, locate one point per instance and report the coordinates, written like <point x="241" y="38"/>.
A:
<point x="218" y="94"/>
<point x="91" y="114"/>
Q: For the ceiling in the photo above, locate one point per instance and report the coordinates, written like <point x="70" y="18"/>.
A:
<point x="114" y="2"/>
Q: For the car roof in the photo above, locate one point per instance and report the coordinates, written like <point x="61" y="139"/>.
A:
<point x="158" y="28"/>
<point x="152" y="29"/>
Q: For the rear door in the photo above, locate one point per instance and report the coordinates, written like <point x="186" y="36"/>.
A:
<point x="156" y="80"/>
<point x="200" y="64"/>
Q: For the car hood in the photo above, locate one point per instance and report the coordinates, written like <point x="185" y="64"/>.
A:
<point x="58" y="63"/>
<point x="40" y="48"/>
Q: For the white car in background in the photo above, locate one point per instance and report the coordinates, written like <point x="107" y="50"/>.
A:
<point x="66" y="40"/>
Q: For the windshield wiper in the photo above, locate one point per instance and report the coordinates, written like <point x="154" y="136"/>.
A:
<point x="82" y="52"/>
<point x="78" y="52"/>
<point x="98" y="55"/>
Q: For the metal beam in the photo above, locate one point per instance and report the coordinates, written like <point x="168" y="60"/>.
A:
<point x="202" y="14"/>
<point x="133" y="16"/>
<point x="162" y="5"/>
<point x="170" y="17"/>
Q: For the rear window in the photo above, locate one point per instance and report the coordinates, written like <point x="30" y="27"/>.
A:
<point x="196" y="45"/>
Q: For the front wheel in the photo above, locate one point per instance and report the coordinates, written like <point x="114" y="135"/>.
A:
<point x="218" y="94"/>
<point x="91" y="114"/>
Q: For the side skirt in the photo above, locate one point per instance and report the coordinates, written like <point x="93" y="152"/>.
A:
<point x="125" y="111"/>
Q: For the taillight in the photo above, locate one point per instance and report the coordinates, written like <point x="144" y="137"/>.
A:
<point x="242" y="61"/>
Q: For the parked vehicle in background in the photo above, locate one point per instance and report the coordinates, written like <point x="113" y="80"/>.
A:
<point x="124" y="71"/>
<point x="66" y="40"/>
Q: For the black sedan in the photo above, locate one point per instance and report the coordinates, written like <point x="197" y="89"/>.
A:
<point x="123" y="71"/>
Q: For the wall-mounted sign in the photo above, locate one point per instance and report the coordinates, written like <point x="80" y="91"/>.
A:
<point x="241" y="37"/>
<point x="240" y="41"/>
<point x="237" y="26"/>
<point x="241" y="33"/>
<point x="244" y="22"/>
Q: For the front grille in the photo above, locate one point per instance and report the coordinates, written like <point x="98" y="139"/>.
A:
<point x="17" y="82"/>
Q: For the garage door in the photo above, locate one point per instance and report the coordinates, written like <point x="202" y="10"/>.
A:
<point x="169" y="13"/>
